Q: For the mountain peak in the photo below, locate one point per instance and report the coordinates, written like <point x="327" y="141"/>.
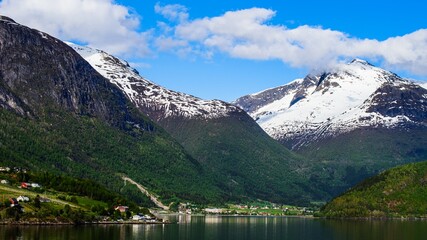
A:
<point x="6" y="19"/>
<point x="360" y="61"/>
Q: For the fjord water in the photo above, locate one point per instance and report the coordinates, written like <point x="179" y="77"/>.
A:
<point x="229" y="227"/>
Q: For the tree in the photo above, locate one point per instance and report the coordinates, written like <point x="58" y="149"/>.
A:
<point x="73" y="199"/>
<point x="6" y="203"/>
<point x="67" y="209"/>
<point x="13" y="212"/>
<point x="23" y="177"/>
<point x="128" y="214"/>
<point x="117" y="214"/>
<point x="37" y="202"/>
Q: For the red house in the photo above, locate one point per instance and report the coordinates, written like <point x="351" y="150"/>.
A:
<point x="25" y="185"/>
<point x="122" y="209"/>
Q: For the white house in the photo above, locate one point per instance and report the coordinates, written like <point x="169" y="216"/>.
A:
<point x="23" y="199"/>
<point x="4" y="181"/>
<point x="137" y="218"/>
<point x="213" y="210"/>
<point x="35" y="185"/>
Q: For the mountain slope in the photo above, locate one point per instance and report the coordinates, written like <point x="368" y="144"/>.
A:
<point x="353" y="121"/>
<point x="157" y="102"/>
<point x="58" y="114"/>
<point x="238" y="154"/>
<point x="396" y="192"/>
<point x="349" y="97"/>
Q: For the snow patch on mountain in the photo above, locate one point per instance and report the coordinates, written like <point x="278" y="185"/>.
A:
<point x="156" y="101"/>
<point x="339" y="101"/>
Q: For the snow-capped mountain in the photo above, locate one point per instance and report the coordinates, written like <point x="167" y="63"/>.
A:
<point x="223" y="140"/>
<point x="156" y="101"/>
<point x="350" y="96"/>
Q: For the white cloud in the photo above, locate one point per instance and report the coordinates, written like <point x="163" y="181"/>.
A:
<point x="244" y="34"/>
<point x="173" y="12"/>
<point x="99" y="23"/>
<point x="248" y="34"/>
<point x="166" y="43"/>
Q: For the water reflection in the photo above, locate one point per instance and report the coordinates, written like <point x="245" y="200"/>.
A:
<point x="228" y="227"/>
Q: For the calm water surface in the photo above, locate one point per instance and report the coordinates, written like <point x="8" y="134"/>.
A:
<point x="229" y="227"/>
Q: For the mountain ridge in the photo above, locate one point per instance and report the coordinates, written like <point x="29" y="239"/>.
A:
<point x="157" y="101"/>
<point x="332" y="103"/>
<point x="242" y="158"/>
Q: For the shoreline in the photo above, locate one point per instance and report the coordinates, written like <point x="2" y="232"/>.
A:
<point x="81" y="224"/>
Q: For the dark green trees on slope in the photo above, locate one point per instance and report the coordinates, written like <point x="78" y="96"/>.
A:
<point x="401" y="191"/>
<point x="245" y="161"/>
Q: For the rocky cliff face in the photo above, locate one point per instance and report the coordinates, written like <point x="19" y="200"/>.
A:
<point x="251" y="103"/>
<point x="405" y="100"/>
<point x="46" y="74"/>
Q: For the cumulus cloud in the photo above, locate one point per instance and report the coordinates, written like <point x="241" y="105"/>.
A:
<point x="173" y="12"/>
<point x="100" y="23"/>
<point x="248" y="34"/>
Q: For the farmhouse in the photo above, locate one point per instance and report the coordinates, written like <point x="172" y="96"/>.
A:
<point x="137" y="218"/>
<point x="23" y="199"/>
<point x="29" y="185"/>
<point x="122" y="209"/>
<point x="44" y="200"/>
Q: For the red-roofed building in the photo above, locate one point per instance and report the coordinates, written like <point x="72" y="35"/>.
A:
<point x="122" y="209"/>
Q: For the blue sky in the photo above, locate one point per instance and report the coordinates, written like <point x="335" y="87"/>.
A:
<point x="226" y="49"/>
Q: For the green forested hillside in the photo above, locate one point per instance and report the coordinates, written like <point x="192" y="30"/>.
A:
<point x="401" y="191"/>
<point x="86" y="147"/>
<point x="344" y="160"/>
<point x="244" y="161"/>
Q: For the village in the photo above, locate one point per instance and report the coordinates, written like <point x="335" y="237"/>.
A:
<point x="255" y="208"/>
<point x="29" y="202"/>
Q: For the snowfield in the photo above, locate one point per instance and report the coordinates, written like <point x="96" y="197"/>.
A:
<point x="148" y="95"/>
<point x="328" y="104"/>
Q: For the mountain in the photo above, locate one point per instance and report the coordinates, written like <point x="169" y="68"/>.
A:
<point x="157" y="102"/>
<point x="397" y="192"/>
<point x="352" y="96"/>
<point x="241" y="158"/>
<point x="58" y="114"/>
<point x="353" y="120"/>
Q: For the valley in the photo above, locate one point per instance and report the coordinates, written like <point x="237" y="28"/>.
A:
<point x="78" y="112"/>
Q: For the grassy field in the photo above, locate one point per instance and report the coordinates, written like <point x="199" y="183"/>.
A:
<point x="47" y="211"/>
<point x="8" y="191"/>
